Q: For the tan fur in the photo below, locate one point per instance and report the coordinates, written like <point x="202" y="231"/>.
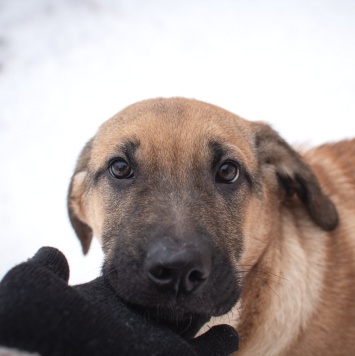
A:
<point x="306" y="275"/>
<point x="298" y="267"/>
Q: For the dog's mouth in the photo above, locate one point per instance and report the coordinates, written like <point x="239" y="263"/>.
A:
<point x="185" y="324"/>
<point x="179" y="311"/>
<point x="167" y="312"/>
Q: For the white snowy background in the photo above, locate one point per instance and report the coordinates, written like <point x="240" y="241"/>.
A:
<point x="68" y="65"/>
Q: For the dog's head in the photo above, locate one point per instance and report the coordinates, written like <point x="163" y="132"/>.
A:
<point x="182" y="195"/>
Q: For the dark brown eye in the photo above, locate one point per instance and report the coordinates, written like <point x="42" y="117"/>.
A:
<point x="120" y="169"/>
<point x="228" y="173"/>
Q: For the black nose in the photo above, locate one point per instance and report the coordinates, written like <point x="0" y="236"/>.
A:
<point x="178" y="267"/>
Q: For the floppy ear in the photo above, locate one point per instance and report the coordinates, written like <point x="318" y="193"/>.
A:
<point x="75" y="199"/>
<point x="295" y="176"/>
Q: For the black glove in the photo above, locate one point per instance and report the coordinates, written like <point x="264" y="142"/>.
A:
<point x="39" y="312"/>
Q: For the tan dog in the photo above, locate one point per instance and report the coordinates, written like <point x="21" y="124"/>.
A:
<point x="201" y="212"/>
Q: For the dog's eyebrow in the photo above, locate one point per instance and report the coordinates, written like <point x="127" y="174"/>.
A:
<point x="126" y="150"/>
<point x="218" y="151"/>
<point x="129" y="148"/>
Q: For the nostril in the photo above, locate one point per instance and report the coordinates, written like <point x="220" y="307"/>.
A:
<point x="196" y="276"/>
<point x="161" y="273"/>
<point x="185" y="280"/>
<point x="194" y="279"/>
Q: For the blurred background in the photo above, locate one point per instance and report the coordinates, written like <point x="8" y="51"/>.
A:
<point x="66" y="66"/>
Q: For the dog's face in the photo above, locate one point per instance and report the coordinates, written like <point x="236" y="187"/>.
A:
<point x="183" y="196"/>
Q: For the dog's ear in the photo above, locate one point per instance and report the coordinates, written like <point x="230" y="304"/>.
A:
<point x="76" y="193"/>
<point x="295" y="175"/>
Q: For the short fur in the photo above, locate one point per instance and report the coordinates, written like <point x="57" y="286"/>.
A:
<point x="282" y="237"/>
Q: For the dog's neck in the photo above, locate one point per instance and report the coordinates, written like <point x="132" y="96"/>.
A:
<point x="275" y="293"/>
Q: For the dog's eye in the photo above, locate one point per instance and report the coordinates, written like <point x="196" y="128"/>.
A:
<point x="120" y="169"/>
<point x="228" y="173"/>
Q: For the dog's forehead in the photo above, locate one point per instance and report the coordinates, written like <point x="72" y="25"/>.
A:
<point x="174" y="129"/>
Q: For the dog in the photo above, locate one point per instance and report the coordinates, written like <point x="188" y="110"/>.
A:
<point x="202" y="212"/>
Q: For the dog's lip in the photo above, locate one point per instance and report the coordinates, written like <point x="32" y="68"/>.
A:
<point x="177" y="319"/>
<point x="164" y="313"/>
<point x="185" y="324"/>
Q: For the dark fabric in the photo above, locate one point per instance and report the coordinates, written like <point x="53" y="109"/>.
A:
<point x="39" y="312"/>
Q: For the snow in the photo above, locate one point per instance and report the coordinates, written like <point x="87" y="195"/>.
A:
<point x="66" y="66"/>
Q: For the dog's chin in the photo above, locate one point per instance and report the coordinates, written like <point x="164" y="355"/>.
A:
<point x="184" y="314"/>
<point x="185" y="324"/>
